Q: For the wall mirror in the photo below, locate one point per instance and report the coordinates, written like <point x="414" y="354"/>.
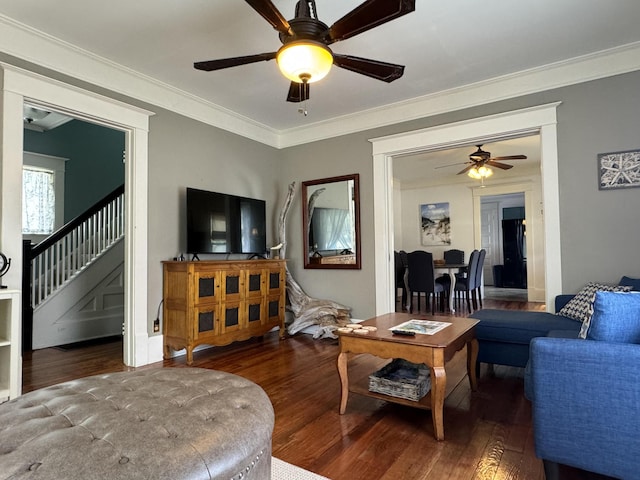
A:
<point x="331" y="222"/>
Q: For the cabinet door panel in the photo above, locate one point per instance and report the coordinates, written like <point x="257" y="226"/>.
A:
<point x="276" y="281"/>
<point x="231" y="319"/>
<point x="255" y="312"/>
<point x="206" y="322"/>
<point x="206" y="287"/>
<point x="275" y="308"/>
<point x="232" y="285"/>
<point x="255" y="283"/>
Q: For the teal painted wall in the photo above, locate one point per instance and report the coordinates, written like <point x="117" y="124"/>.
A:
<point x="95" y="167"/>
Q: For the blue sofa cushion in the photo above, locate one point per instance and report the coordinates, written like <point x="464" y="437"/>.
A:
<point x="563" y="334"/>
<point x="586" y="405"/>
<point x="634" y="283"/>
<point x="616" y="317"/>
<point x="511" y="326"/>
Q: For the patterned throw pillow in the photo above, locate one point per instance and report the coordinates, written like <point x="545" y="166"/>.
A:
<point x="580" y="307"/>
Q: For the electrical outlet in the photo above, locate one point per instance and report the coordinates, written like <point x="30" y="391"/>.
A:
<point x="156" y="325"/>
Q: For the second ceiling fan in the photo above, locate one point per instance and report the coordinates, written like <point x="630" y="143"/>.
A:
<point x="481" y="158"/>
<point x="307" y="37"/>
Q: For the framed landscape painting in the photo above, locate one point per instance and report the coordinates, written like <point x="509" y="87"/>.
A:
<point x="435" y="228"/>
<point x="619" y="170"/>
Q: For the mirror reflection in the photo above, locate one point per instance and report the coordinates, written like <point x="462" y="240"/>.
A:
<point x="331" y="222"/>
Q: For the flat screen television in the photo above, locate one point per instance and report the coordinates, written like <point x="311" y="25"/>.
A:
<point x="223" y="223"/>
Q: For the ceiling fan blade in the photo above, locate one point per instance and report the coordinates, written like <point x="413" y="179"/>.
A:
<point x="271" y="14"/>
<point x="511" y="157"/>
<point x="503" y="166"/>
<point x="387" y="72"/>
<point x="465" y="170"/>
<point x="368" y="15"/>
<point x="450" y="165"/>
<point x="298" y="92"/>
<point x="211" y="65"/>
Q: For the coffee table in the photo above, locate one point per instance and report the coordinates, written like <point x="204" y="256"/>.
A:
<point x="433" y="350"/>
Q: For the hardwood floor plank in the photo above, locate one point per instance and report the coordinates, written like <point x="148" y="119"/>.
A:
<point x="487" y="433"/>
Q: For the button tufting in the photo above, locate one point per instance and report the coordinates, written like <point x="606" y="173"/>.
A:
<point x="196" y="400"/>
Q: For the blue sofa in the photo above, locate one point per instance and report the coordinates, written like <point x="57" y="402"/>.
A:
<point x="586" y="394"/>
<point x="504" y="335"/>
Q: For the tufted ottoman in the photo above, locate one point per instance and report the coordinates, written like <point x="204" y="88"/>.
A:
<point x="171" y="423"/>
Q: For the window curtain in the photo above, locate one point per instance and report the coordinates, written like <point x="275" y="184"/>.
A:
<point x="38" y="201"/>
<point x="332" y="229"/>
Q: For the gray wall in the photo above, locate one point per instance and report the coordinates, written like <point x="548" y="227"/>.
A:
<point x="186" y="153"/>
<point x="599" y="229"/>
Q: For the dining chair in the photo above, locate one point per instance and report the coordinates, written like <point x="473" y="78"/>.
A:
<point x="467" y="285"/>
<point x="401" y="265"/>
<point x="421" y="279"/>
<point x="478" y="282"/>
<point x="451" y="257"/>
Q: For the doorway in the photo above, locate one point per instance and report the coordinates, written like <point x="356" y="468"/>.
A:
<point x="85" y="299"/>
<point x="530" y="121"/>
<point x="19" y="86"/>
<point x="503" y="236"/>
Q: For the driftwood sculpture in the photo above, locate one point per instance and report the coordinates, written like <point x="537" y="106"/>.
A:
<point x="307" y="311"/>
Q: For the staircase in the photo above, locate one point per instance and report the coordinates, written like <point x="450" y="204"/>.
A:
<point x="75" y="279"/>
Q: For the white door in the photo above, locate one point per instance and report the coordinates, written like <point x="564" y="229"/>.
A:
<point x="490" y="239"/>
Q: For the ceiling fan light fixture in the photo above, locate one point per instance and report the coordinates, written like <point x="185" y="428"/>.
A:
<point x="479" y="173"/>
<point x="304" y="61"/>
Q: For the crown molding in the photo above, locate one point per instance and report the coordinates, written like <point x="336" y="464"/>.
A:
<point x="34" y="46"/>
<point x="598" y="65"/>
<point x="29" y="44"/>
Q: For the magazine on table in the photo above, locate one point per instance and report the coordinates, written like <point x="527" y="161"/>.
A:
<point x="424" y="327"/>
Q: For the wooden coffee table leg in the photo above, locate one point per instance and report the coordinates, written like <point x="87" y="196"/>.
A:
<point x="472" y="358"/>
<point x="344" y="381"/>
<point x="438" y="388"/>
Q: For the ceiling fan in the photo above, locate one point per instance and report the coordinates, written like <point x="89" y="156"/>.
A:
<point x="481" y="158"/>
<point x="306" y="32"/>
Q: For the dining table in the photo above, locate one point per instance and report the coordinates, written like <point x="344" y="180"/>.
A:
<point x="451" y="269"/>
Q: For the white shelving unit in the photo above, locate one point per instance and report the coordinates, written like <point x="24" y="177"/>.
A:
<point x="10" y="356"/>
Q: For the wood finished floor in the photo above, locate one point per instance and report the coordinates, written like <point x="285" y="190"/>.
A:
<point x="488" y="433"/>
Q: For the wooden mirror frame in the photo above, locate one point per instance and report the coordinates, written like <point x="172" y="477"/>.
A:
<point x="308" y="261"/>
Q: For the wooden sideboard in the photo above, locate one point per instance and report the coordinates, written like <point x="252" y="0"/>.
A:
<point x="220" y="302"/>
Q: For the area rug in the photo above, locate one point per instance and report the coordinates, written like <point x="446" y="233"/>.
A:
<point x="285" y="471"/>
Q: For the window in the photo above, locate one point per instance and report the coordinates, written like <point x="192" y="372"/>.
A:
<point x="38" y="201"/>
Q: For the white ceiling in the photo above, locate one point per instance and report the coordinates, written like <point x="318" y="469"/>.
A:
<point x="445" y="45"/>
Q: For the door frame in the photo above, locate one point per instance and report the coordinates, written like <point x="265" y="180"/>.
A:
<point x="536" y="280"/>
<point x="540" y="120"/>
<point x="18" y="86"/>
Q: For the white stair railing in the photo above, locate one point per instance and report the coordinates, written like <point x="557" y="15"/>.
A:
<point x="55" y="266"/>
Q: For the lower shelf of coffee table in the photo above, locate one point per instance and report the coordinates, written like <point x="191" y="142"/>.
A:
<point x="456" y="370"/>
